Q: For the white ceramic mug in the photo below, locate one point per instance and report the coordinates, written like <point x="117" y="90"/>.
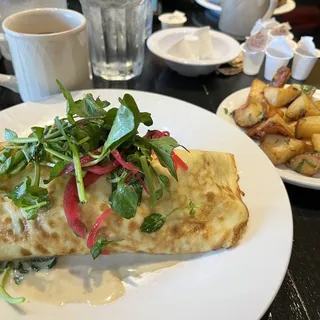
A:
<point x="238" y="16"/>
<point x="9" y="7"/>
<point x="45" y="45"/>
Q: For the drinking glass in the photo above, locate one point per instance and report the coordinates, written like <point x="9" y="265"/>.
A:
<point x="117" y="30"/>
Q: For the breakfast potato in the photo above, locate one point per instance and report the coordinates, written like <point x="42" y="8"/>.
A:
<point x="280" y="149"/>
<point x="308" y="126"/>
<point x="273" y="111"/>
<point x="292" y="126"/>
<point x="308" y="145"/>
<point x="274" y="125"/>
<point x="249" y="114"/>
<point x="302" y="107"/>
<point x="281" y="77"/>
<point x="307" y="89"/>
<point x="316" y="141"/>
<point x="307" y="164"/>
<point x="279" y="97"/>
<point x="256" y="91"/>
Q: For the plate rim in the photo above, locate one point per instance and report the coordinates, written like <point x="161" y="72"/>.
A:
<point x="285" y="200"/>
<point x="217" y="8"/>
<point x="294" y="181"/>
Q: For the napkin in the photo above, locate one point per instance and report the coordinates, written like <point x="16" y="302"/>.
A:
<point x="280" y="47"/>
<point x="306" y="46"/>
<point x="281" y="30"/>
<point x="257" y="42"/>
<point x="264" y="25"/>
<point x="196" y="46"/>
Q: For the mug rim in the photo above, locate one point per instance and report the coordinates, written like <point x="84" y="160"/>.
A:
<point x="48" y="35"/>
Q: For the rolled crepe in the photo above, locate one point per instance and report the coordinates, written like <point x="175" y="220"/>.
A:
<point x="211" y="182"/>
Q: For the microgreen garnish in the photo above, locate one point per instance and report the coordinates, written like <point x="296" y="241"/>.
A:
<point x="155" y="221"/>
<point x="100" y="246"/>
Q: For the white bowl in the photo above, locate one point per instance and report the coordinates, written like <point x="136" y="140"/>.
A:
<point x="225" y="49"/>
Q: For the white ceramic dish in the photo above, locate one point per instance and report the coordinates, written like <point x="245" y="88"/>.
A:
<point x="225" y="49"/>
<point x="289" y="6"/>
<point x="238" y="283"/>
<point x="237" y="99"/>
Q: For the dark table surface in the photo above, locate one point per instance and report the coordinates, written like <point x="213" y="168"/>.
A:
<point x="299" y="295"/>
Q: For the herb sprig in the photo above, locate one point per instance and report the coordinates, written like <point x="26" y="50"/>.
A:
<point x="155" y="221"/>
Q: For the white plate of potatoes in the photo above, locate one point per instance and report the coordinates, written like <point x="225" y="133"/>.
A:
<point x="284" y="120"/>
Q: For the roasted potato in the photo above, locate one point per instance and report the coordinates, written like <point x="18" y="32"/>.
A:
<point x="280" y="149"/>
<point x="316" y="141"/>
<point x="308" y="126"/>
<point x="305" y="88"/>
<point x="249" y="114"/>
<point x="273" y="111"/>
<point x="274" y="125"/>
<point x="281" y="77"/>
<point x="302" y="107"/>
<point x="256" y="91"/>
<point x="308" y="145"/>
<point x="280" y="97"/>
<point x="307" y="164"/>
<point x="292" y="126"/>
<point x="317" y="104"/>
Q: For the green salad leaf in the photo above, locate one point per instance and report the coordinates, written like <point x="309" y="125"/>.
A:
<point x="30" y="198"/>
<point x="100" y="246"/>
<point x="124" y="200"/>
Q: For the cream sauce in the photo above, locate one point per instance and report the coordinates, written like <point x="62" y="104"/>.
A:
<point x="80" y="284"/>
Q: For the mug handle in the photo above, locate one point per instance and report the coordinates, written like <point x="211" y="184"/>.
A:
<point x="7" y="81"/>
<point x="273" y="4"/>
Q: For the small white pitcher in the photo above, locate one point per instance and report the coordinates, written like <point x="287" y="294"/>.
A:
<point x="238" y="16"/>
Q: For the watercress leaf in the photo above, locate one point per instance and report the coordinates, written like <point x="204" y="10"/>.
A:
<point x="124" y="200"/>
<point x="102" y="103"/>
<point x="149" y="179"/>
<point x="4" y="155"/>
<point x="30" y="198"/>
<point x="159" y="194"/>
<point x="55" y="171"/>
<point x="146" y="119"/>
<point x="152" y="223"/>
<point x="130" y="103"/>
<point x="38" y="132"/>
<point x="144" y="147"/>
<point x="110" y="117"/>
<point x="163" y="148"/>
<point x="192" y="208"/>
<point x="15" y="163"/>
<point x="29" y="150"/>
<point x="100" y="246"/>
<point x="9" y="134"/>
<point x="138" y="188"/>
<point x="123" y="127"/>
<point x="71" y="105"/>
<point x="164" y="182"/>
<point x="93" y="108"/>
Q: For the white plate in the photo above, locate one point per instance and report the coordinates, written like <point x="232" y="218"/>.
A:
<point x="289" y="6"/>
<point x="237" y="99"/>
<point x="239" y="283"/>
<point x="225" y="49"/>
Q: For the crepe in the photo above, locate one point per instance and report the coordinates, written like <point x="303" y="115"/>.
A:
<point x="211" y="182"/>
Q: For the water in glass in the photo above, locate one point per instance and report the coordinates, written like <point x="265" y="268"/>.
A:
<point x="117" y="32"/>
